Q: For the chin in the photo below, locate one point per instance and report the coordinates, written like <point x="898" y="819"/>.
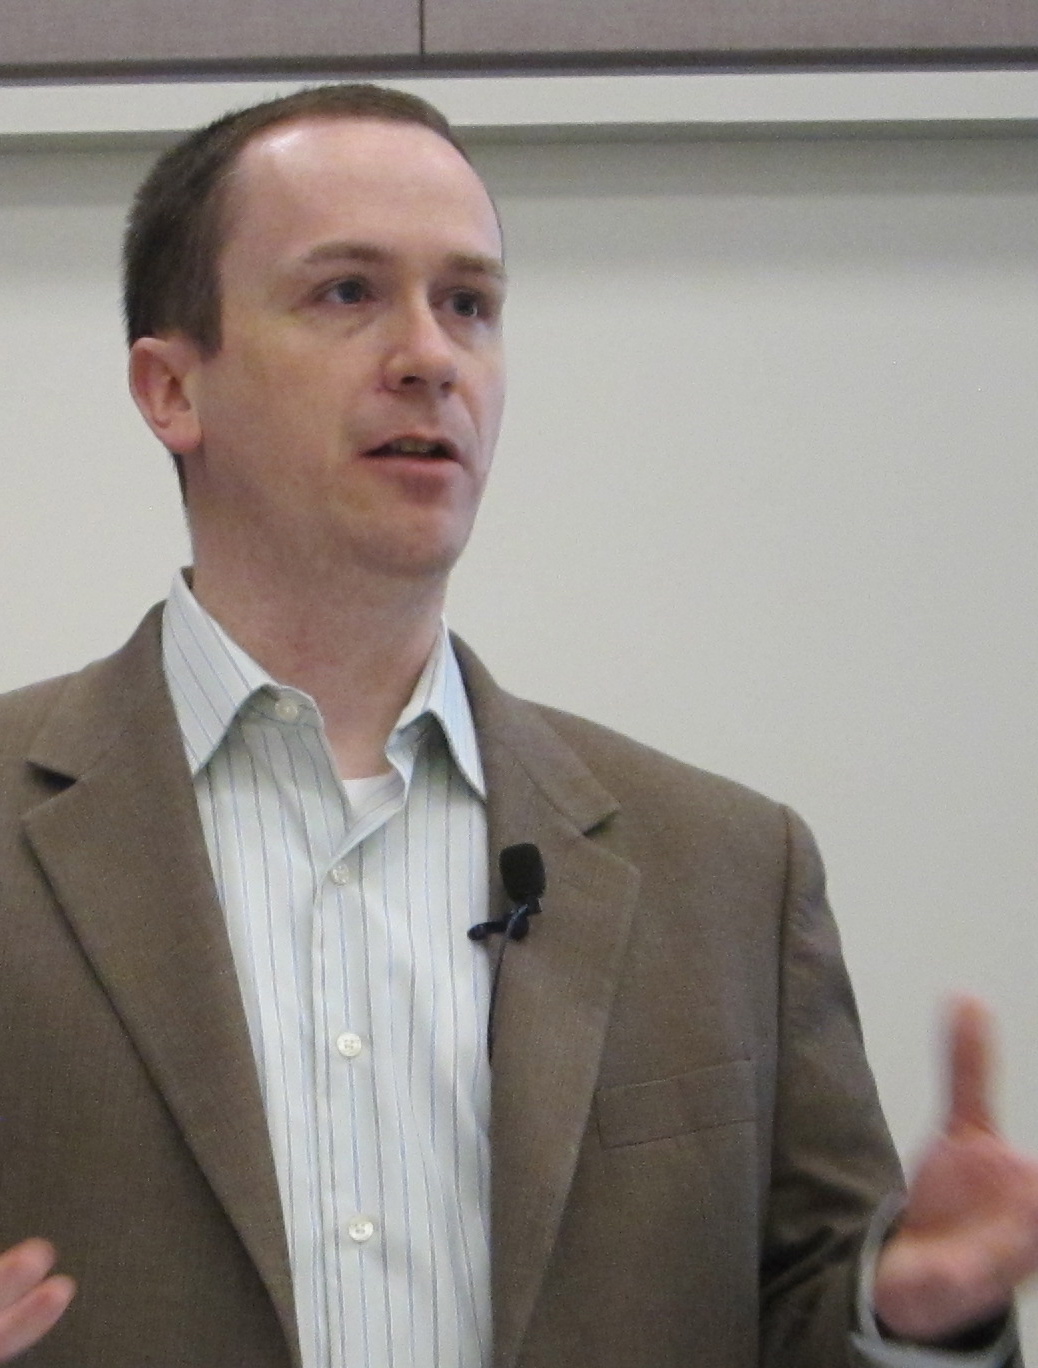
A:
<point x="415" y="562"/>
<point x="428" y="552"/>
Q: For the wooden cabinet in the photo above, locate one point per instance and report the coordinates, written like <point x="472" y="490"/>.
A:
<point x="138" y="36"/>
<point x="744" y="30"/>
<point x="142" y="38"/>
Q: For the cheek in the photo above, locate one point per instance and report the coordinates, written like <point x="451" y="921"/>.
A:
<point x="491" y="401"/>
<point x="283" y="396"/>
<point x="256" y="416"/>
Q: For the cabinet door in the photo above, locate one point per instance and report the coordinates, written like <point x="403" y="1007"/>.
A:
<point x="154" y="36"/>
<point x="740" y="29"/>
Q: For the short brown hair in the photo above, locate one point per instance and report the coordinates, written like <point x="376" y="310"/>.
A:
<point x="178" y="222"/>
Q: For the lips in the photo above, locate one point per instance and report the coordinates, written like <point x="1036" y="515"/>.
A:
<point x="420" y="447"/>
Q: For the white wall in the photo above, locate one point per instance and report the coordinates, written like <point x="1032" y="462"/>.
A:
<point x="767" y="497"/>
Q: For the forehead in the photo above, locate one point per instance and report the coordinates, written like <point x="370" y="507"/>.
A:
<point x="399" y="185"/>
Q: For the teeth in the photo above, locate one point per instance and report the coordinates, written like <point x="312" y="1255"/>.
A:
<point x="410" y="446"/>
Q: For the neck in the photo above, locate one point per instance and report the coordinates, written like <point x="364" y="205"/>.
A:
<point x="357" y="649"/>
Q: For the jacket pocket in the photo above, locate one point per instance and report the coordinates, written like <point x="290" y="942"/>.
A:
<point x="717" y="1095"/>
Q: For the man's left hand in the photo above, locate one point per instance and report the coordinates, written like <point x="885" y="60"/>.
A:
<point x="968" y="1235"/>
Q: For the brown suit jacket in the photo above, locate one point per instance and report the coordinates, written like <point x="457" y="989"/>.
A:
<point x="686" y="1140"/>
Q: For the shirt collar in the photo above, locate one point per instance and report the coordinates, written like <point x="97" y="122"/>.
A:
<point x="211" y="679"/>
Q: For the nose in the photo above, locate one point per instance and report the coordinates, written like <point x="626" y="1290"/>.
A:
<point x="421" y="355"/>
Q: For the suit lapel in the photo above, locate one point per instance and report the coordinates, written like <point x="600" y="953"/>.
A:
<point x="556" y="986"/>
<point x="123" y="849"/>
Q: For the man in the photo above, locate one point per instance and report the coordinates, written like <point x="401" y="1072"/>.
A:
<point x="246" y="1087"/>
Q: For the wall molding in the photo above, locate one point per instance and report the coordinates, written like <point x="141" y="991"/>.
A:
<point x="748" y="104"/>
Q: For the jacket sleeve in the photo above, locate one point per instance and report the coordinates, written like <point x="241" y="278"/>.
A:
<point x="832" y="1158"/>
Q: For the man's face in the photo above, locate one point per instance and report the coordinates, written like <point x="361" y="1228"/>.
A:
<point x="352" y="409"/>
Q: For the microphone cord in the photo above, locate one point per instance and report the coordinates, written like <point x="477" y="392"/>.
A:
<point x="514" y="927"/>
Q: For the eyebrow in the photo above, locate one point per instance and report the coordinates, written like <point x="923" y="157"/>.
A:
<point x="472" y="263"/>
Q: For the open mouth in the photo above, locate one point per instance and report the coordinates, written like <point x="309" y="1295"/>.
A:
<point x="414" y="446"/>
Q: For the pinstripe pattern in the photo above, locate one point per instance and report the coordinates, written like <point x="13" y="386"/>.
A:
<point x="347" y="906"/>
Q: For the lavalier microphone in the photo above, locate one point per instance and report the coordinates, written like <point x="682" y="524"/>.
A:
<point x="522" y="873"/>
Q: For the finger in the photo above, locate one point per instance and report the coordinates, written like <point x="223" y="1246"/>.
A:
<point x="22" y="1267"/>
<point x="29" y="1318"/>
<point x="971" y="1061"/>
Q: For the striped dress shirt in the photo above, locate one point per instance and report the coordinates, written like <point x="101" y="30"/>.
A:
<point x="347" y="906"/>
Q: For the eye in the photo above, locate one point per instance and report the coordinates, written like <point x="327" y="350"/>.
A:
<point x="469" y="304"/>
<point x="352" y="290"/>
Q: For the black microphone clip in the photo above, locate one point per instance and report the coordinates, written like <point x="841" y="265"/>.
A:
<point x="522" y="873"/>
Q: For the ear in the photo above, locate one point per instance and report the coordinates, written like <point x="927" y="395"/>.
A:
<point x="162" y="372"/>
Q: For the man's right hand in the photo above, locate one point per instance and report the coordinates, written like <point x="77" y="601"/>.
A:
<point x="30" y="1301"/>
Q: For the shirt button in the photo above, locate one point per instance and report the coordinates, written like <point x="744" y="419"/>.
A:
<point x="360" y="1229"/>
<point x="286" y="709"/>
<point x="349" y="1045"/>
<point x="341" y="874"/>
